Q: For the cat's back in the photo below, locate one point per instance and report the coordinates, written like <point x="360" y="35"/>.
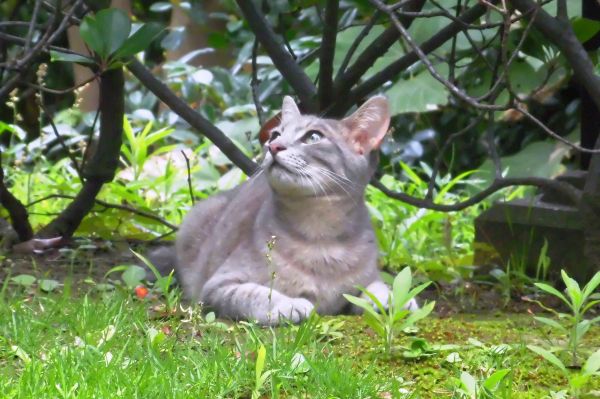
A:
<point x="214" y="227"/>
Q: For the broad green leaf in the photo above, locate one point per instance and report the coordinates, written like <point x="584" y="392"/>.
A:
<point x="48" y="285"/>
<point x="400" y="288"/>
<point x="585" y="28"/>
<point x="92" y="36"/>
<point x="260" y="361"/>
<point x="133" y="275"/>
<point x="553" y="291"/>
<point x="114" y="26"/>
<point x="139" y="41"/>
<point x="591" y="286"/>
<point x="24" y="280"/>
<point x="495" y="379"/>
<point x="592" y="365"/>
<point x="376" y="301"/>
<point x="418" y="314"/>
<point x="66" y="57"/>
<point x="581" y="328"/>
<point x="363" y="304"/>
<point x="469" y="384"/>
<point x="550" y="322"/>
<point x="375" y="323"/>
<point x="419" y="93"/>
<point x="549" y="356"/>
<point x="573" y="290"/>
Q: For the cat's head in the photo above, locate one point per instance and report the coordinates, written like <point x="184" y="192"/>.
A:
<point x="310" y="156"/>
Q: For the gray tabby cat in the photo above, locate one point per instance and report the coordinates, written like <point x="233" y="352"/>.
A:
<point x="297" y="235"/>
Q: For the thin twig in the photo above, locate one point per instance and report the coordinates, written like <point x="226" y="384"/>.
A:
<point x="189" y="177"/>
<point x="105" y="204"/>
<point x="60" y="139"/>
<point x="254" y="84"/>
<point x="357" y="41"/>
<point x="282" y="59"/>
<point x="571" y="192"/>
<point x="34" y="15"/>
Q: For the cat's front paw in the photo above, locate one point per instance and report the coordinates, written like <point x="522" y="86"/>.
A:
<point x="291" y="309"/>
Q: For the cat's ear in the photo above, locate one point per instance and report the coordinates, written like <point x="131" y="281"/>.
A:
<point x="369" y="124"/>
<point x="289" y="109"/>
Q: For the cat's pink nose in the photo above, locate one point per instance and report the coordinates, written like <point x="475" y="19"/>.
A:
<point x="274" y="148"/>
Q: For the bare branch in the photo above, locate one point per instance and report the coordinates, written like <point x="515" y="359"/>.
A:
<point x="110" y="205"/>
<point x="192" y="117"/>
<point x="392" y="70"/>
<point x="456" y="91"/>
<point x="330" y="24"/>
<point x="284" y="62"/>
<point x="376" y="49"/>
<point x="254" y="83"/>
<point x="568" y="190"/>
<point x="357" y="41"/>
<point x="561" y="34"/>
<point x="18" y="213"/>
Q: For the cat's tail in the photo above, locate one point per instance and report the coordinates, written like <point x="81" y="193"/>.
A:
<point x="163" y="259"/>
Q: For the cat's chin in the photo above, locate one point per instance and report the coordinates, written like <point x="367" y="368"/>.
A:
<point x="283" y="181"/>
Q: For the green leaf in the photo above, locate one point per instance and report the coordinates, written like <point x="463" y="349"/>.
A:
<point x="592" y="365"/>
<point x="573" y="290"/>
<point x="139" y="41"/>
<point x="56" y="56"/>
<point x="375" y="301"/>
<point x="418" y="315"/>
<point x="550" y="322"/>
<point x="585" y="28"/>
<point x="495" y="379"/>
<point x="400" y="288"/>
<point x="24" y="280"/>
<point x="469" y="383"/>
<point x="92" y="36"/>
<point x="549" y="356"/>
<point x="420" y="93"/>
<point x="48" y="285"/>
<point x="106" y="31"/>
<point x="553" y="291"/>
<point x="114" y="26"/>
<point x="361" y="303"/>
<point x="260" y="361"/>
<point x="591" y="286"/>
<point x="581" y="328"/>
<point x="133" y="275"/>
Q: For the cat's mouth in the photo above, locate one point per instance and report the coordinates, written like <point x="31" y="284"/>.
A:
<point x="278" y="165"/>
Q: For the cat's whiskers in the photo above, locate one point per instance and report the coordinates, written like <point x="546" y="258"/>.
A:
<point x="338" y="177"/>
<point x="333" y="178"/>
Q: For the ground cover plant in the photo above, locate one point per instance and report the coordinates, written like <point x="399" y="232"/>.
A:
<point x="489" y="99"/>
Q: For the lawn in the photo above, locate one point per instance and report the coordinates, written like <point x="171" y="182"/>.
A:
<point x="88" y="339"/>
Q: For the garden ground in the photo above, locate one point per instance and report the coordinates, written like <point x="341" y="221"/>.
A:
<point x="91" y="336"/>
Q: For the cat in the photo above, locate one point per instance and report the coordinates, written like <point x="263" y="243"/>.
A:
<point x="297" y="235"/>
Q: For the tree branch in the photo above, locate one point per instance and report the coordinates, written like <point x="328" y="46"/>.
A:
<point x="392" y="70"/>
<point x="216" y="136"/>
<point x="330" y="25"/>
<point x="284" y="62"/>
<point x="104" y="162"/>
<point x="18" y="214"/>
<point x="376" y="49"/>
<point x="571" y="192"/>
<point x="561" y="34"/>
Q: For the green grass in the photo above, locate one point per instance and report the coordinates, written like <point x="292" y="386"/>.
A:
<point x="113" y="345"/>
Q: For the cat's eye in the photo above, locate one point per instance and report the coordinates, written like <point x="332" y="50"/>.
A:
<point x="274" y="135"/>
<point x="311" y="137"/>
